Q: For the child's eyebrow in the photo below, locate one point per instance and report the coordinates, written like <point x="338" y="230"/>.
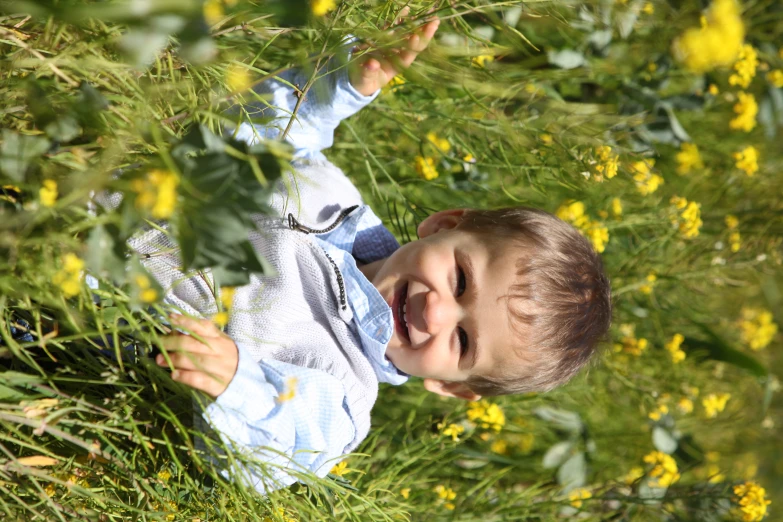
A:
<point x="470" y="276"/>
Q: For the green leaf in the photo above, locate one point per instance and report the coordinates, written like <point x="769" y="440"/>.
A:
<point x="18" y="152"/>
<point x="141" y="46"/>
<point x="573" y="474"/>
<point x="716" y="348"/>
<point x="63" y="129"/>
<point x="568" y="420"/>
<point x="663" y="440"/>
<point x="557" y="454"/>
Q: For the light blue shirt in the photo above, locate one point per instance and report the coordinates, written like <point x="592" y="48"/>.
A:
<point x="255" y="411"/>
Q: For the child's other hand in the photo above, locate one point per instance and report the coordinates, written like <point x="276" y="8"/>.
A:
<point x="375" y="69"/>
<point x="207" y="367"/>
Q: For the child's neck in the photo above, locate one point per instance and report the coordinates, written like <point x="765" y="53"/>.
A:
<point x="371" y="269"/>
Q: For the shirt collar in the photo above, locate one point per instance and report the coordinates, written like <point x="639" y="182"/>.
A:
<point x="361" y="235"/>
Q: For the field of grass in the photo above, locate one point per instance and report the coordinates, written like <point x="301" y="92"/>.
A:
<point x="654" y="127"/>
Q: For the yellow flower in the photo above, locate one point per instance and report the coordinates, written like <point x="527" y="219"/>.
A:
<point x="648" y="8"/>
<point x="213" y="11"/>
<point x="716" y="43"/>
<point x="452" y="430"/>
<point x="647" y="288"/>
<point x="746" y="109"/>
<point x="775" y="78"/>
<point x="482" y="60"/>
<point x="220" y="319"/>
<point x="394" y="85"/>
<point x="238" y="78"/>
<point x="731" y="221"/>
<point x="156" y="192"/>
<point x="608" y="163"/>
<point x="714" y="474"/>
<point x="646" y="181"/>
<point x="745" y="67"/>
<point x="660" y="411"/>
<point x="633" y="475"/>
<point x="629" y="343"/>
<point x="688" y="158"/>
<point x="751" y="501"/>
<point x="50" y="490"/>
<point x="486" y="414"/>
<point x="664" y="469"/>
<point x="688" y="220"/>
<point x="735" y="241"/>
<point x="573" y="212"/>
<point x="405" y="492"/>
<point x="747" y="160"/>
<point x="164" y="475"/>
<point x="598" y="236"/>
<point x="426" y="168"/>
<point x="757" y="328"/>
<point x="714" y="404"/>
<point x="48" y="193"/>
<point x="617" y="207"/>
<point x="69" y="277"/>
<point x="576" y="496"/>
<point x="500" y="447"/>
<point x="468" y="158"/>
<point x="546" y="139"/>
<point x="685" y="405"/>
<point x="147" y="294"/>
<point x="445" y="493"/>
<point x="342" y="469"/>
<point x="321" y="7"/>
<point x="227" y="296"/>
<point x="442" y="144"/>
<point x="713" y="89"/>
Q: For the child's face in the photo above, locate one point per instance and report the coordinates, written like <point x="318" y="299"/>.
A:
<point x="447" y="293"/>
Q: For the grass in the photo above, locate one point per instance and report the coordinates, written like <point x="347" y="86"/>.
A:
<point x="86" y="437"/>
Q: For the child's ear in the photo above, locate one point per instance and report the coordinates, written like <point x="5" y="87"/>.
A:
<point x="451" y="389"/>
<point x="445" y="219"/>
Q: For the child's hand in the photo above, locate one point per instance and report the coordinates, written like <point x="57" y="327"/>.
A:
<point x="374" y="70"/>
<point x="206" y="367"/>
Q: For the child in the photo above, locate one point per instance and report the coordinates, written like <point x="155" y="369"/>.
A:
<point x="484" y="303"/>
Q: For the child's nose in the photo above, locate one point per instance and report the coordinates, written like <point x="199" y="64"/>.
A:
<point x="440" y="313"/>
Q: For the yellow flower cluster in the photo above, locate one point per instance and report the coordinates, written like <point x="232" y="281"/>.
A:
<point x="281" y="516"/>
<point x="487" y="415"/>
<point x="578" y="495"/>
<point x="147" y="294"/>
<point x="608" y="163"/>
<point x="664" y="469"/>
<point x="647" y="288"/>
<point x="757" y="327"/>
<point x="734" y="236"/>
<point x="213" y="11"/>
<point x="715" y="403"/>
<point x="687" y="217"/>
<point x="164" y="475"/>
<point x="747" y="160"/>
<point x="658" y="412"/>
<point x="775" y="78"/>
<point x="238" y="78"/>
<point x="629" y="343"/>
<point x="751" y="500"/>
<point x="405" y="492"/>
<point x="716" y="43"/>
<point x="688" y="158"/>
<point x="442" y="144"/>
<point x="617" y="208"/>
<point x="156" y="192"/>
<point x="445" y="494"/>
<point x="321" y="7"/>
<point x="746" y="110"/>
<point x="226" y="300"/>
<point x="48" y="193"/>
<point x="673" y="347"/>
<point x="394" y="85"/>
<point x="68" y="278"/>
<point x="499" y="446"/>
<point x="426" y="168"/>
<point x="482" y="60"/>
<point x="452" y="430"/>
<point x="574" y="212"/>
<point x="685" y="405"/>
<point x="745" y="67"/>
<point x="646" y="181"/>
<point x="634" y="474"/>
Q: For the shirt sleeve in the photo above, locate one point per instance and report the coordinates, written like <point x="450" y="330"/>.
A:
<point x="290" y="418"/>
<point x="330" y="100"/>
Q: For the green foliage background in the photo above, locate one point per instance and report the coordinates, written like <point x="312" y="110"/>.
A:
<point x="94" y="94"/>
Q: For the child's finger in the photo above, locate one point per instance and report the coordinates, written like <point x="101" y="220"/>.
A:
<point x="209" y="384"/>
<point x="417" y="42"/>
<point x="186" y="343"/>
<point x="202" y="327"/>
<point x="184" y="361"/>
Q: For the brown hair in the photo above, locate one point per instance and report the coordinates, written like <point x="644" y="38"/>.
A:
<point x="560" y="304"/>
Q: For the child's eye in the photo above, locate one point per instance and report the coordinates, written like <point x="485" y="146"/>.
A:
<point x="463" y="341"/>
<point x="460" y="282"/>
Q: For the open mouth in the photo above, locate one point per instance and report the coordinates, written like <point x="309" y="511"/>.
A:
<point x="400" y="312"/>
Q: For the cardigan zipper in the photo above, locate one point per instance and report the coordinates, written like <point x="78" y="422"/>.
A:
<point x="296" y="225"/>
